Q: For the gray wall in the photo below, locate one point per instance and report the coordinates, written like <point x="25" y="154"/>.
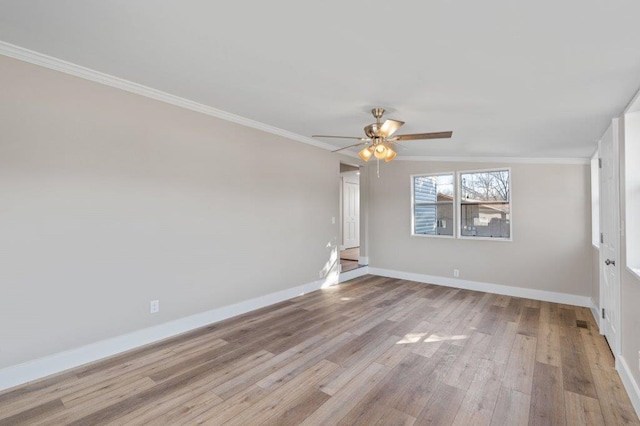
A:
<point x="551" y="248"/>
<point x="630" y="320"/>
<point x="109" y="200"/>
<point x="348" y="167"/>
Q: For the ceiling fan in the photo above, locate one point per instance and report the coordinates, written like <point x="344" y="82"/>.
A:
<point x="379" y="140"/>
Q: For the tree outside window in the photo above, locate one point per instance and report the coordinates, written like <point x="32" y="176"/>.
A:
<point x="485" y="207"/>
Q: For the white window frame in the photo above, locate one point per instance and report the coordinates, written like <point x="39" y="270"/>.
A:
<point x="632" y="192"/>
<point x="453" y="210"/>
<point x="459" y="205"/>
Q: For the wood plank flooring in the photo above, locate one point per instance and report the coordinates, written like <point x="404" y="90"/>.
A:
<point x="349" y="265"/>
<point x="350" y="253"/>
<point x="349" y="259"/>
<point x="372" y="351"/>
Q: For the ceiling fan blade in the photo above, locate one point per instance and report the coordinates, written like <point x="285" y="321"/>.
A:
<point x="389" y="127"/>
<point x="340" y="137"/>
<point x="396" y="146"/>
<point x="350" y="146"/>
<point x="415" y="136"/>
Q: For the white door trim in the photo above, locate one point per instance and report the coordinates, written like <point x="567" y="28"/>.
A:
<point x="350" y="209"/>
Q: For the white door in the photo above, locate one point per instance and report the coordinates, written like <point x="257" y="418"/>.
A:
<point x="351" y="212"/>
<point x="610" y="237"/>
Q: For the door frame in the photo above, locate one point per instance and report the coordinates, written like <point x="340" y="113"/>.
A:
<point x="615" y="209"/>
<point x="350" y="178"/>
<point x="361" y="214"/>
<point x="356" y="168"/>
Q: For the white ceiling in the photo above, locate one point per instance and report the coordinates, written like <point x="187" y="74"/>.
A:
<point x="510" y="78"/>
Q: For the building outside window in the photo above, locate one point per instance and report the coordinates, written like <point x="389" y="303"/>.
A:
<point x="433" y="204"/>
<point x="485" y="204"/>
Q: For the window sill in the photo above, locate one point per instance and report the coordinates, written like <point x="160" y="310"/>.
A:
<point x="433" y="236"/>
<point x="504" y="240"/>
<point x="634" y="271"/>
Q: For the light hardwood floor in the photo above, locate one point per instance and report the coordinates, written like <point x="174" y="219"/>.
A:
<point x="348" y="265"/>
<point x="371" y="351"/>
<point x="349" y="259"/>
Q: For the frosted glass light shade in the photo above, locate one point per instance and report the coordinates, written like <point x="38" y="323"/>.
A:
<point x="391" y="154"/>
<point x="365" y="154"/>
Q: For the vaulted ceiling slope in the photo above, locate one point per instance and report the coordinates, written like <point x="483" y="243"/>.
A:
<point x="510" y="78"/>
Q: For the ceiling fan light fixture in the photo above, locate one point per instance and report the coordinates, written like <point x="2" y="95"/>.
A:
<point x="371" y="130"/>
<point x="381" y="137"/>
<point x="391" y="154"/>
<point x="365" y="154"/>
<point x="380" y="151"/>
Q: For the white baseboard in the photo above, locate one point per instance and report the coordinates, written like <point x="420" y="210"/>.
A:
<point x="595" y="311"/>
<point x="42" y="367"/>
<point x="363" y="260"/>
<point x="52" y="364"/>
<point x="354" y="273"/>
<point x="529" y="293"/>
<point x="633" y="390"/>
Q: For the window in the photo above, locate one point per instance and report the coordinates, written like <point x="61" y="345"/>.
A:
<point x="595" y="200"/>
<point x="632" y="189"/>
<point x="432" y="204"/>
<point x="485" y="204"/>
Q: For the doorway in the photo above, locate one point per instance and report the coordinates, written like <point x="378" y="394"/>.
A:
<point x="349" y="217"/>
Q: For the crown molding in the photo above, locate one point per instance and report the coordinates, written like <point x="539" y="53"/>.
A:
<point x="512" y="160"/>
<point x="26" y="55"/>
<point x="56" y="64"/>
<point x="634" y="104"/>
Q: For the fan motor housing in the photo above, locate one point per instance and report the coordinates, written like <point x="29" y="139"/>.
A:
<point x="372" y="130"/>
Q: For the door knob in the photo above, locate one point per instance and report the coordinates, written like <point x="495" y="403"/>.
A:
<point x="610" y="262"/>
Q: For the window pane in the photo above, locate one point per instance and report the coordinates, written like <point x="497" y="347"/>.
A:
<point x="632" y="189"/>
<point x="485" y="220"/>
<point x="433" y="219"/>
<point x="433" y="205"/>
<point x="485" y="186"/>
<point x="427" y="187"/>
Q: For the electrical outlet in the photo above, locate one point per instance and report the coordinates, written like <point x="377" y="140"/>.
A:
<point x="456" y="273"/>
<point x="154" y="306"/>
<point x="333" y="220"/>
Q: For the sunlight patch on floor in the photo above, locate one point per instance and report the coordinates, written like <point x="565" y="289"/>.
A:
<point x="431" y="338"/>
